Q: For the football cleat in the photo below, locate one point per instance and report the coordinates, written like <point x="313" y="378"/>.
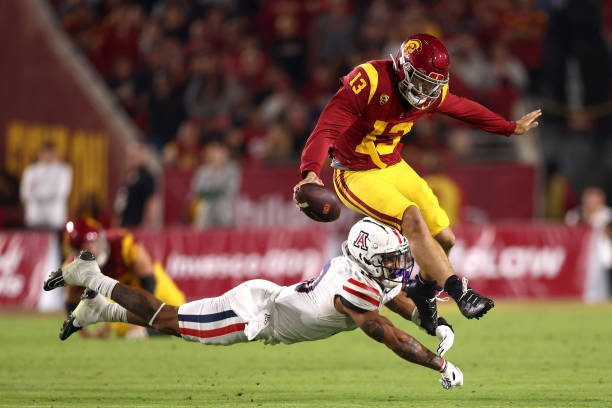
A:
<point x="451" y="376"/>
<point x="88" y="311"/>
<point x="76" y="273"/>
<point x="473" y="305"/>
<point x="426" y="305"/>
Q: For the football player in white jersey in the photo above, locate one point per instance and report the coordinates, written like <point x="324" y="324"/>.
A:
<point x="348" y="293"/>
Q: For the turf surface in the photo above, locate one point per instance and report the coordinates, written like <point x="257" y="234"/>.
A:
<point x="521" y="355"/>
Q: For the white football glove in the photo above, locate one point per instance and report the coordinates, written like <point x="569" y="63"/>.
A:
<point x="451" y="376"/>
<point x="446" y="337"/>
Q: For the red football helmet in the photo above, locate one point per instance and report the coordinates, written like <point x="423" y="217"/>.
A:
<point x="421" y="65"/>
<point x="87" y="233"/>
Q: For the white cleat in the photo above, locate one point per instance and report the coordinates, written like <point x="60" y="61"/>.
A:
<point x="90" y="310"/>
<point x="77" y="273"/>
<point x="451" y="376"/>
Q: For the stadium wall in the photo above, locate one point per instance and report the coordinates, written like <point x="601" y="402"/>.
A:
<point x="63" y="102"/>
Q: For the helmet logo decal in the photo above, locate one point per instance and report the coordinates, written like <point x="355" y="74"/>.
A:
<point x="411" y="46"/>
<point x="361" y="241"/>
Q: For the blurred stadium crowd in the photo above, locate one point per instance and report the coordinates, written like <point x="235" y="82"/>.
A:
<point x="260" y="72"/>
<point x="253" y="76"/>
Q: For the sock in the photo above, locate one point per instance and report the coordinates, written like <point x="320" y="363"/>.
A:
<point x="114" y="312"/>
<point x="454" y="287"/>
<point x="102" y="284"/>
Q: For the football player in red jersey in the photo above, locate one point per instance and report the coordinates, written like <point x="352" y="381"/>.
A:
<point x="361" y="129"/>
<point x="120" y="257"/>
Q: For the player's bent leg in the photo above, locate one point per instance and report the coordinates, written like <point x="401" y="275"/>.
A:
<point x="435" y="266"/>
<point x="446" y="239"/>
<point x="427" y="253"/>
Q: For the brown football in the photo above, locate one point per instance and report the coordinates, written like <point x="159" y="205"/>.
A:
<point x="317" y="202"/>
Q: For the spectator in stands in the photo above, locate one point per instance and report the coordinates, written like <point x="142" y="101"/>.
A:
<point x="593" y="211"/>
<point x="185" y="152"/>
<point x="214" y="187"/>
<point x="136" y="203"/>
<point x="45" y="187"/>
<point x="208" y="96"/>
<point x="166" y="109"/>
<point x="508" y="80"/>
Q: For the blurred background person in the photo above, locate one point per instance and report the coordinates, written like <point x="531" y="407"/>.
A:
<point x="44" y="191"/>
<point x="595" y="214"/>
<point x="592" y="212"/>
<point x="214" y="186"/>
<point x="121" y="257"/>
<point x="136" y="203"/>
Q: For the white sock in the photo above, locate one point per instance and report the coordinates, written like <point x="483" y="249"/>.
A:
<point x="114" y="312"/>
<point x="102" y="284"/>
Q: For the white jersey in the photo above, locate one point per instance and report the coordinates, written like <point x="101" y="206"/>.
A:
<point x="261" y="310"/>
<point x="305" y="311"/>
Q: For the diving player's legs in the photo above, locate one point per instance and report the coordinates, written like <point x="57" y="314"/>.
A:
<point x="139" y="306"/>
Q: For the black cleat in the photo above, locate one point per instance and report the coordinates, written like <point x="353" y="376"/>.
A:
<point x="426" y="305"/>
<point x="54" y="281"/>
<point x="68" y="328"/>
<point x="56" y="278"/>
<point x="473" y="305"/>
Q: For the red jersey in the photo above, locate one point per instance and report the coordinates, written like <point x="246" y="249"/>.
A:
<point x="362" y="125"/>
<point x="121" y="256"/>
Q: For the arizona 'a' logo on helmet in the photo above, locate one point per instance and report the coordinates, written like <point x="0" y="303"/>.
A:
<point x="422" y="68"/>
<point x="361" y="241"/>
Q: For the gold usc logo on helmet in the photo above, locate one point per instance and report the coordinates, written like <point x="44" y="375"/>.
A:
<point x="411" y="46"/>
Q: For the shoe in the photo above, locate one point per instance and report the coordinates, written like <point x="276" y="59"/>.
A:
<point x="88" y="311"/>
<point x="76" y="273"/>
<point x="418" y="291"/>
<point x="473" y="305"/>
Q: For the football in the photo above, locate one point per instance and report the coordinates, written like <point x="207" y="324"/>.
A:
<point x="317" y="202"/>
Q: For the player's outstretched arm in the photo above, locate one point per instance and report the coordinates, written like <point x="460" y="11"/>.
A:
<point x="405" y="307"/>
<point x="383" y="331"/>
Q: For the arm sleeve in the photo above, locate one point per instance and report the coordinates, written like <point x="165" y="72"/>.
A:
<point x="335" y="119"/>
<point x="341" y="112"/>
<point x="476" y="115"/>
<point x="360" y="295"/>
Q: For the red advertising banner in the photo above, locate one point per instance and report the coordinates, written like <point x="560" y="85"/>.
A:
<point x="23" y="266"/>
<point x="523" y="260"/>
<point x="209" y="263"/>
<point x="518" y="260"/>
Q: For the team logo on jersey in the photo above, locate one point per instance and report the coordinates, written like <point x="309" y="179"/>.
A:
<point x="361" y="241"/>
<point x="411" y="46"/>
<point x="384" y="98"/>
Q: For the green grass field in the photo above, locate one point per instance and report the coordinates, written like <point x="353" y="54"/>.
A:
<point x="520" y="355"/>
